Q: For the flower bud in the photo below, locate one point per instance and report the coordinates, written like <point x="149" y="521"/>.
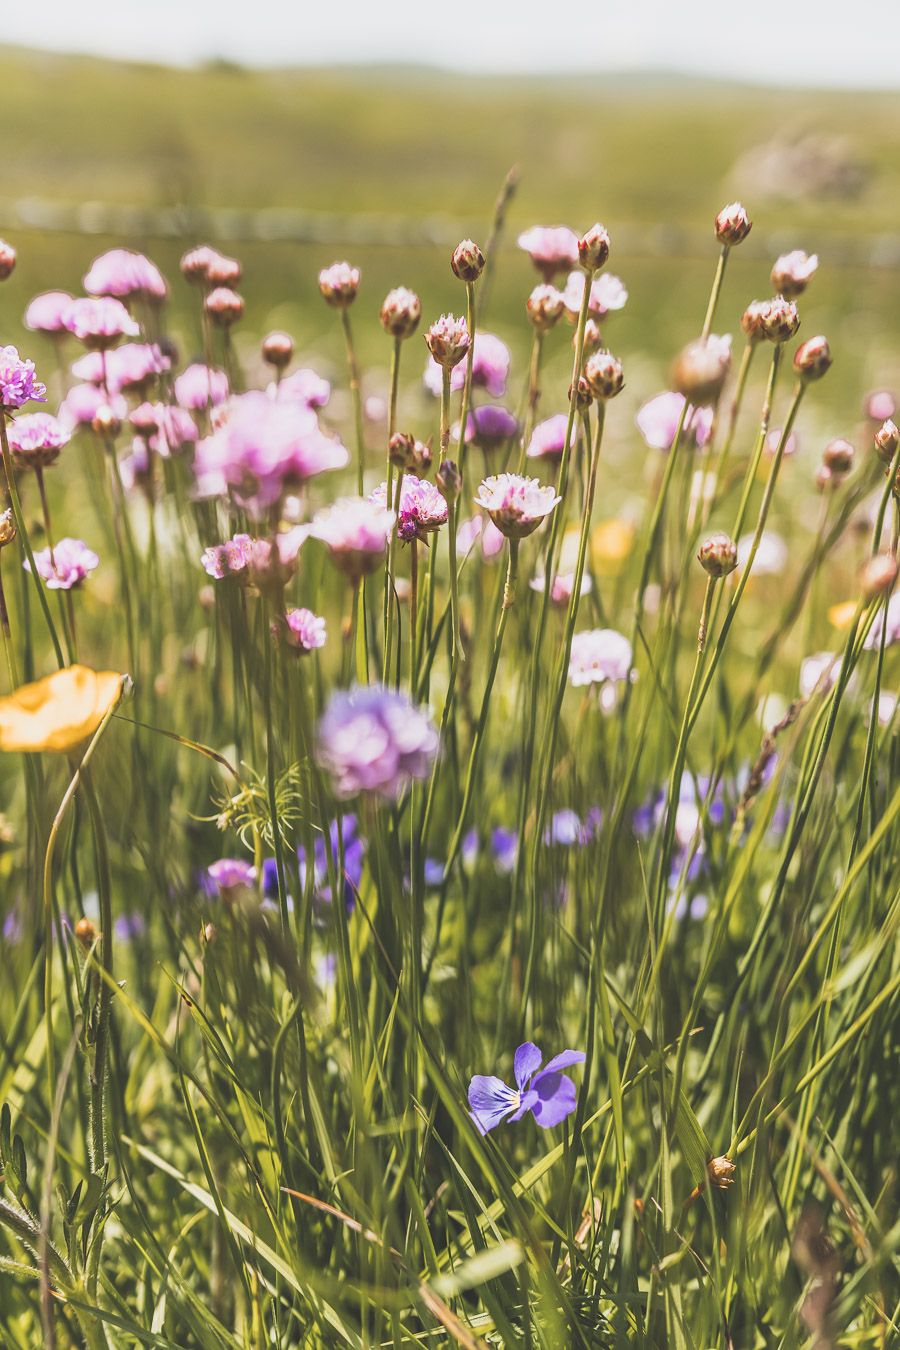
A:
<point x="277" y="350"/>
<point x="603" y="373"/>
<point x="793" y="272"/>
<point x="448" y="480"/>
<point x="223" y="271"/>
<point x="7" y="260"/>
<point x="733" y="224"/>
<point x="401" y="312"/>
<point x="7" y="527"/>
<point x="838" y="457"/>
<point x="812" y="358"/>
<point x="195" y="263"/>
<point x="448" y="340"/>
<point x="401" y="448"/>
<point x="877" y="575"/>
<point x="753" y="320"/>
<point x="421" y="459"/>
<point x="86" y="932"/>
<point x="718" y="555"/>
<point x="339" y="284"/>
<point x="544" y="307"/>
<point x="593" y="248"/>
<point x="887" y="438"/>
<point x="721" y="1172"/>
<point x="701" y="369"/>
<point x="780" y="320"/>
<point x="208" y="933"/>
<point x="580" y="394"/>
<point x="224" y="306"/>
<point x="593" y="338"/>
<point x="826" y="479"/>
<point x="467" y="261"/>
<point x="105" y="422"/>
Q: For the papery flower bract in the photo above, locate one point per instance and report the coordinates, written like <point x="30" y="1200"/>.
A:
<point x="479" y="529"/>
<point x="607" y="293"/>
<point x="99" y="322"/>
<point x="305" y="386"/>
<point x="231" y="874"/>
<point x="304" y="630"/>
<point x="199" y="387"/>
<point x="490" y="365"/>
<point x="46" y="313"/>
<point x="355" y="531"/>
<point x="374" y="740"/>
<point x="65" y="565"/>
<point x="422" y="508"/>
<point x="515" y="504"/>
<point x="548" y="439"/>
<point x="60" y="712"/>
<point x="122" y="274"/>
<point x="548" y="1093"/>
<point x="36" y="439"/>
<point x="657" y="421"/>
<point x="17" y="382"/>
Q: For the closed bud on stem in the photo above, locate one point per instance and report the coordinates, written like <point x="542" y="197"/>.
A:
<point x="603" y="373"/>
<point x="826" y="479"/>
<point x="86" y="932"/>
<point x="781" y="319"/>
<point x="401" y="449"/>
<point x="224" y="306"/>
<point x="813" y="358"/>
<point x="7" y="260"/>
<point x="449" y="481"/>
<point x="422" y="458"/>
<point x="718" y="554"/>
<point x="701" y="369"/>
<point x="105" y="422"/>
<point x="467" y="261"/>
<point x="878" y="575"/>
<point x="753" y="320"/>
<point x="593" y="248"/>
<point x="448" y="340"/>
<point x="593" y="338"/>
<point x="721" y="1172"/>
<point x="339" y="284"/>
<point x="793" y="272"/>
<point x="887" y="438"/>
<point x="401" y="312"/>
<point x="580" y="394"/>
<point x="208" y="933"/>
<point x="277" y="350"/>
<point x="7" y="527"/>
<point x="838" y="457"/>
<point x="733" y="224"/>
<point x="545" y="306"/>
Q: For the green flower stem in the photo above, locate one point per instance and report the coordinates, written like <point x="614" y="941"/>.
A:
<point x="356" y="396"/>
<point x="715" y="292"/>
<point x="413" y="612"/>
<point x="737" y="400"/>
<point x="388" y="495"/>
<point x="533" y="397"/>
<point x="389" y="587"/>
<point x="16" y="504"/>
<point x="462" y="446"/>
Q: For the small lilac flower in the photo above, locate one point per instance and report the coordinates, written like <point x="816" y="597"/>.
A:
<point x="65" y="565"/>
<point x="548" y="1093"/>
<point x="600" y="656"/>
<point x="890" y="618"/>
<point x="505" y="848"/>
<point x="564" y="829"/>
<point x="422" y="508"/>
<point x="658" y="421"/>
<point x="17" y="382"/>
<point x="374" y="740"/>
<point x="479" y="529"/>
<point x="46" y="313"/>
<point x="552" y="248"/>
<point x="355" y="532"/>
<point x="99" y="323"/>
<point x="490" y="427"/>
<point x="122" y="274"/>
<point x="490" y="367"/>
<point x="231" y="874"/>
<point x="304" y="630"/>
<point x="562" y="587"/>
<point x="548" y="439"/>
<point x="305" y="386"/>
<point x="199" y="387"/>
<point x="515" y="504"/>
<point x="36" y="439"/>
<point x="249" y="559"/>
<point x="82" y="403"/>
<point x="607" y="293"/>
<point x="129" y="926"/>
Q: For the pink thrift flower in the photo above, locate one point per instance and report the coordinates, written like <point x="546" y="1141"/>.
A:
<point x="549" y="438"/>
<point x="355" y="531"/>
<point x="36" y="439"/>
<point x="448" y="341"/>
<point x="422" y="508"/>
<point x="339" y="284"/>
<point x="82" y="403"/>
<point x="515" y="504"/>
<point x="121" y="273"/>
<point x="200" y="387"/>
<point x="599" y="656"/>
<point x="254" y="560"/>
<point x="231" y="874"/>
<point x="99" y="323"/>
<point x="304" y="630"/>
<point x="880" y="405"/>
<point x="479" y="529"/>
<point x="490" y="427"/>
<point x="771" y="556"/>
<point x="73" y="561"/>
<point x="129" y="368"/>
<point x="773" y="440"/>
<point x="658" y="421"/>
<point x="793" y="272"/>
<point x="374" y="740"/>
<point x="562" y="586"/>
<point x="17" y="382"/>
<point x="552" y="248"/>
<point x="46" y="313"/>
<point x="305" y="386"/>
<point x="607" y="293"/>
<point x="490" y="367"/>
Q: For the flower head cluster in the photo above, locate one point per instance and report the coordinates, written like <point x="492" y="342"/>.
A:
<point x="793" y="272"/>
<point x="36" y="439"/>
<point x="339" y="284"/>
<point x="304" y="630"/>
<point x="17" y="382"/>
<point x="303" y="386"/>
<point x="422" y="507"/>
<point x="548" y="1093"/>
<point x="99" y="323"/>
<point x="448" y="341"/>
<point x="374" y="740"/>
<point x="199" y="387"/>
<point x="229" y="876"/>
<point x="355" y="531"/>
<point x="131" y="368"/>
<point x="122" y="274"/>
<point x="515" y="504"/>
<point x="607" y="293"/>
<point x="552" y="248"/>
<point x="65" y="565"/>
<point x="83" y="402"/>
<point x="208" y="267"/>
<point x="490" y="368"/>
<point x="46" y="313"/>
<point x="259" y="561"/>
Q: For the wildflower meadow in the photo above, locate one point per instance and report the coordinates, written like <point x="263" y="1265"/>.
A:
<point x="447" y="899"/>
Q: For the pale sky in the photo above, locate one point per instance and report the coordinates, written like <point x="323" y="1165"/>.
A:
<point x="792" y="42"/>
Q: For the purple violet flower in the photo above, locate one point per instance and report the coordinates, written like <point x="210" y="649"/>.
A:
<point x="548" y="1093"/>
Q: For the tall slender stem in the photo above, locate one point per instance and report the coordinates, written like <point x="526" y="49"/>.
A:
<point x="16" y="505"/>
<point x="356" y="395"/>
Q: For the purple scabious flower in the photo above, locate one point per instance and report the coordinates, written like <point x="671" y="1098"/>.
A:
<point x="490" y="367"/>
<point x="422" y="508"/>
<point x="120" y="273"/>
<point x="82" y="403"/>
<point x="374" y="740"/>
<point x="200" y="387"/>
<point x="65" y="565"/>
<point x="548" y="1093"/>
<point x="657" y="421"/>
<point x="36" y="439"/>
<point x="302" y="386"/>
<point x="355" y="531"/>
<point x="515" y="504"/>
<point x="229" y="875"/>
<point x="552" y="248"/>
<point x="17" y="382"/>
<point x="607" y="293"/>
<point x="46" y="313"/>
<point x="304" y="630"/>
<point x="99" y="323"/>
<point x="548" y="439"/>
<point x="490" y="427"/>
<point x="479" y="529"/>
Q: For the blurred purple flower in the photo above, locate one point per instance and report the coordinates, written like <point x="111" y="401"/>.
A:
<point x="607" y="293"/>
<point x="374" y="740"/>
<point x="17" y="382"/>
<point x="549" y="438"/>
<point x="199" y="387"/>
<point x="355" y="531"/>
<point x="490" y="368"/>
<point x="99" y="323"/>
<point x="231" y="874"/>
<point x="45" y="313"/>
<point x="658" y="419"/>
<point x="66" y="565"/>
<point x="552" y="248"/>
<point x="305" y="630"/>
<point x="36" y="439"/>
<point x="302" y="386"/>
<point x="122" y="273"/>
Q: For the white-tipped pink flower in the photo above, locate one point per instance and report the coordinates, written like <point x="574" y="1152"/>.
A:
<point x="304" y="630"/>
<point x="355" y="532"/>
<point x="600" y="656"/>
<point x="122" y="274"/>
<point x="793" y="272"/>
<point x="448" y="341"/>
<point x="422" y="508"/>
<point x="66" y="565"/>
<point x="607" y="293"/>
<point x="99" y="323"/>
<point x="339" y="284"/>
<point x="46" y="313"/>
<point x="552" y="248"/>
<point x="517" y="505"/>
<point x="36" y="439"/>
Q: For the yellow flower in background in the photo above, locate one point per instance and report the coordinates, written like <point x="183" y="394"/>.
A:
<point x="60" y="712"/>
<point x="841" y="616"/>
<point x="611" y="543"/>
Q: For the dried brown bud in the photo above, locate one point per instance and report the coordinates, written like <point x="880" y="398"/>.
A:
<point x="7" y="527"/>
<point x="721" y="1171"/>
<point x="277" y="350"/>
<point x="467" y="261"/>
<point x="224" y="306"/>
<point x="812" y="358"/>
<point x="718" y="555"/>
<point x="887" y="438"/>
<point x="733" y="224"/>
<point x="86" y="932"/>
<point x="339" y="284"/>
<point x="701" y="369"/>
<point x="603" y="373"/>
<point x="753" y="320"/>
<point x="401" y="449"/>
<point x="838" y="456"/>
<point x="7" y="260"/>
<point x="593" y="248"/>
<point x="544" y="307"/>
<point x="448" y="480"/>
<point x="401" y="312"/>
<point x="878" y="575"/>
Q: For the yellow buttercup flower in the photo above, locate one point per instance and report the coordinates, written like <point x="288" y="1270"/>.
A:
<point x="60" y="712"/>
<point x="841" y="616"/>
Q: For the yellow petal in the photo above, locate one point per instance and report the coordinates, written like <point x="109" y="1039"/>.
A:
<point x="841" y="616"/>
<point x="59" y="712"/>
